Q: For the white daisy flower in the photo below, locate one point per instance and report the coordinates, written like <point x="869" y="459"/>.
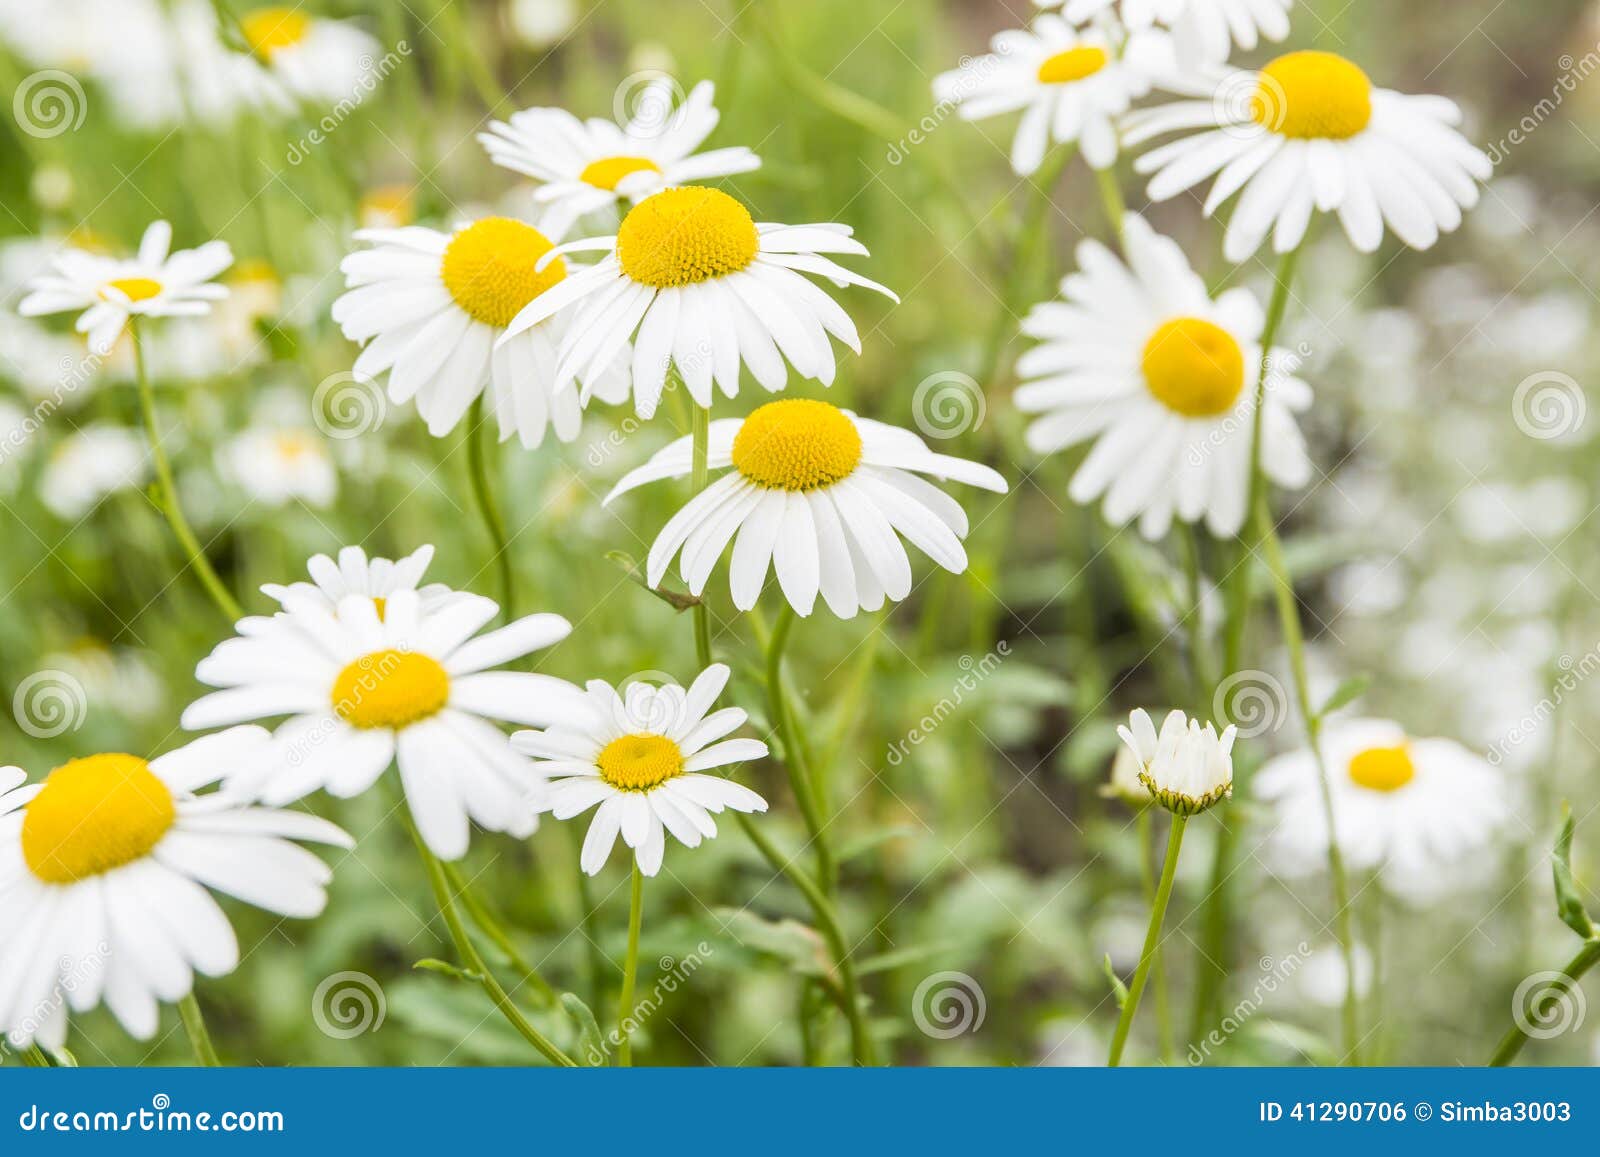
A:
<point x="1420" y="812"/>
<point x="640" y="755"/>
<point x="818" y="494"/>
<point x="1071" y="83"/>
<point x="432" y="309"/>
<point x="1141" y="359"/>
<point x="366" y="686"/>
<point x="1204" y="29"/>
<point x="377" y="579"/>
<point x="315" y="59"/>
<point x="275" y="467"/>
<point x="89" y="464"/>
<point x="104" y="871"/>
<point x="582" y="166"/>
<point x="1188" y="768"/>
<point x="708" y="289"/>
<point x="156" y="283"/>
<point x="1125" y="783"/>
<point x="1306" y="133"/>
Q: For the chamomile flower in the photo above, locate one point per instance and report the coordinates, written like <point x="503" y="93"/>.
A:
<point x="817" y="495"/>
<point x="1203" y="29"/>
<point x="641" y="755"/>
<point x="583" y="166"/>
<point x="104" y="871"/>
<point x="315" y="59"/>
<point x="1139" y="358"/>
<point x="372" y="684"/>
<point x="1187" y="767"/>
<point x="355" y="574"/>
<point x="1420" y="812"/>
<point x="432" y="310"/>
<point x="1309" y="133"/>
<point x="278" y="466"/>
<point x="1071" y="85"/>
<point x="155" y="283"/>
<point x="87" y="465"/>
<point x="707" y="289"/>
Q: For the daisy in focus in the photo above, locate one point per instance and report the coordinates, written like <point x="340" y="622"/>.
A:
<point x="641" y="755"/>
<point x="104" y="871"/>
<point x="1420" y="812"/>
<point x="1309" y="133"/>
<point x="697" y="283"/>
<point x="109" y="291"/>
<point x="1070" y="84"/>
<point x="276" y="467"/>
<point x="584" y="166"/>
<point x="377" y="682"/>
<point x="1139" y="358"/>
<point x="818" y="495"/>
<point x="432" y="310"/>
<point x="355" y="574"/>
<point x="1187" y="767"/>
<point x="1207" y="29"/>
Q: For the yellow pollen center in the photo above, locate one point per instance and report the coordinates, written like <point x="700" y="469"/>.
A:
<point x="1194" y="368"/>
<point x="796" y="444"/>
<point x="390" y="689"/>
<point x="293" y="446"/>
<point x="640" y="762"/>
<point x="1307" y="95"/>
<point x="382" y="604"/>
<point x="1073" y="64"/>
<point x="95" y="814"/>
<point x="133" y="288"/>
<point x="682" y="236"/>
<point x="1383" y="768"/>
<point x="608" y="173"/>
<point x="267" y="30"/>
<point x="491" y="269"/>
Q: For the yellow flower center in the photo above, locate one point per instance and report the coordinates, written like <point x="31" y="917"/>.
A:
<point x="1194" y="368"/>
<point x="95" y="814"/>
<point x="267" y="30"/>
<point x="608" y="173"/>
<point x="382" y="604"/>
<point x="1306" y="95"/>
<point x="682" y="236"/>
<point x="293" y="445"/>
<point x="640" y="762"/>
<point x="391" y="204"/>
<point x="390" y="689"/>
<point x="1073" y="64"/>
<point x="796" y="444"/>
<point x="133" y="288"/>
<point x="491" y="269"/>
<point x="1383" y="768"/>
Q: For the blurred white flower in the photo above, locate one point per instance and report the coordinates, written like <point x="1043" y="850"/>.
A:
<point x="89" y="464"/>
<point x="540" y="23"/>
<point x="1204" y="30"/>
<point x="119" y="677"/>
<point x="318" y="60"/>
<point x="277" y="466"/>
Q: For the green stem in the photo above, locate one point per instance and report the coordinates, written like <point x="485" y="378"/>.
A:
<point x="1152" y="940"/>
<point x="169" y="490"/>
<point x="1147" y="872"/>
<point x="630" y="968"/>
<point x="477" y="467"/>
<point x="861" y="1041"/>
<point x="492" y="928"/>
<point x="472" y="960"/>
<point x="1111" y="198"/>
<point x="701" y="433"/>
<point x="794" y="761"/>
<point x="1511" y="1044"/>
<point x="194" y="1024"/>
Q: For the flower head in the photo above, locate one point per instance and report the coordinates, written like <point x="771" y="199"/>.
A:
<point x="1187" y="767"/>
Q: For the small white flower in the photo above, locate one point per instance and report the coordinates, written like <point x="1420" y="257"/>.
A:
<point x="1188" y="768"/>
<point x="315" y="59"/>
<point x="582" y="166"/>
<point x="276" y="467"/>
<point x="87" y="465"/>
<point x="641" y="756"/>
<point x="155" y="283"/>
<point x="104" y="871"/>
<point x="354" y="574"/>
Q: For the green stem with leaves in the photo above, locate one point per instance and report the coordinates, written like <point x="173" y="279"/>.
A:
<point x="483" y="493"/>
<point x="194" y="1024"/>
<point x="1152" y="940"/>
<point x="794" y="761"/>
<point x="630" y="969"/>
<point x="491" y="927"/>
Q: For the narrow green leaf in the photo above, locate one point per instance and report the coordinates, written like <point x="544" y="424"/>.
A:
<point x="591" y="1048"/>
<point x="677" y="600"/>
<point x="1118" y="989"/>
<point x="1345" y="694"/>
<point x="1569" y="904"/>
<point x="445" y="968"/>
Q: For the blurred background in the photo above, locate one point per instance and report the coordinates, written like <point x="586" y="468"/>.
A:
<point x="1445" y="553"/>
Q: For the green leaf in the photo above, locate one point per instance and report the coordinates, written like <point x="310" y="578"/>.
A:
<point x="1569" y="904"/>
<point x="1118" y="989"/>
<point x="677" y="600"/>
<point x="445" y="968"/>
<point x="797" y="945"/>
<point x="591" y="1046"/>
<point x="911" y="954"/>
<point x="1345" y="694"/>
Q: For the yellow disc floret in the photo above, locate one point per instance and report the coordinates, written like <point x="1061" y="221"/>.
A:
<point x="640" y="762"/>
<point x="95" y="814"/>
<point x="1383" y="768"/>
<point x="1307" y="95"/>
<point x="796" y="444"/>
<point x="390" y="689"/>
<point x="268" y="30"/>
<point x="608" y="172"/>
<point x="1073" y="64"/>
<point x="492" y="268"/>
<point x="132" y="288"/>
<point x="683" y="236"/>
<point x="1194" y="368"/>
